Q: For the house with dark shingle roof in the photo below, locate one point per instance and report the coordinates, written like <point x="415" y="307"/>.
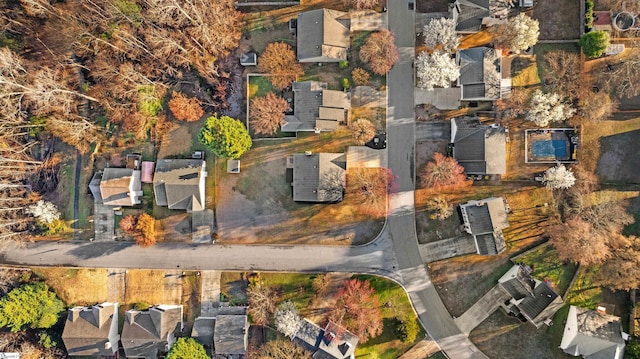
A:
<point x="530" y="299"/>
<point x="149" y="333"/>
<point x="471" y="15"/>
<point x="485" y="220"/>
<point x="323" y="36"/>
<point x="481" y="74"/>
<point x="230" y="336"/>
<point x="479" y="148"/>
<point x="92" y="331"/>
<point x="180" y="184"/>
<point x="315" y="108"/>
<point x="593" y="335"/>
<point x="319" y="177"/>
<point x="330" y="342"/>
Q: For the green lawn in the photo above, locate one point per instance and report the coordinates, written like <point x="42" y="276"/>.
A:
<point x="585" y="293"/>
<point x="259" y="86"/>
<point x="547" y="266"/>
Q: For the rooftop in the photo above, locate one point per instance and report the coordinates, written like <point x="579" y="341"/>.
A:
<point x="323" y="36"/>
<point x="180" y="184"/>
<point x="479" y="148"/>
<point x="319" y="177"/>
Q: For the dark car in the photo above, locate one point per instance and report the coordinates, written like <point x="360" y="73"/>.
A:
<point x="378" y="142"/>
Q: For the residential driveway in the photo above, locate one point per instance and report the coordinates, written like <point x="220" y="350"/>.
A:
<point x="447" y="248"/>
<point x="433" y="131"/>
<point x="422" y="350"/>
<point x="368" y="20"/>
<point x="366" y="96"/>
<point x="481" y="310"/>
<point x="442" y="99"/>
<point x="103" y="223"/>
<point x="115" y="285"/>
<point x="210" y="293"/>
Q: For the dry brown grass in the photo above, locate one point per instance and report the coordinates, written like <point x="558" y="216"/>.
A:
<point x="76" y="286"/>
<point x="270" y="18"/>
<point x="144" y="286"/>
<point x="480" y="38"/>
<point x="592" y="133"/>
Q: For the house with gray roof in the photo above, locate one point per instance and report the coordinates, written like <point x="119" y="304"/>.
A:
<point x="150" y="333"/>
<point x="484" y="220"/>
<point x="92" y="331"/>
<point x="323" y="36"/>
<point x="318" y="177"/>
<point x="330" y="342"/>
<point x="315" y="108"/>
<point x="530" y="299"/>
<point x="593" y="335"/>
<point x="116" y="187"/>
<point x="481" y="74"/>
<point x="479" y="148"/>
<point x="472" y="15"/>
<point x="230" y="336"/>
<point x="180" y="184"/>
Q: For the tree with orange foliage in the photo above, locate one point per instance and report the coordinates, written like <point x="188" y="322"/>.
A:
<point x="147" y="230"/>
<point x="184" y="108"/>
<point x="442" y="171"/>
<point x="128" y="223"/>
<point x="358" y="309"/>
<point x="369" y="188"/>
<point x="379" y="52"/>
<point x="362" y="131"/>
<point x="266" y="113"/>
<point x="279" y="60"/>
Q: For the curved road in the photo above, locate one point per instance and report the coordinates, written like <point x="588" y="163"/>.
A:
<point x="394" y="254"/>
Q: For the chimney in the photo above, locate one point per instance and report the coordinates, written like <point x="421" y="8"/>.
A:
<point x="74" y="313"/>
<point x="107" y="345"/>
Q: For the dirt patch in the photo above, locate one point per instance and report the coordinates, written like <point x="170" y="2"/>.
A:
<point x="616" y="153"/>
<point x="175" y="228"/>
<point x="558" y="20"/>
<point x="173" y="142"/>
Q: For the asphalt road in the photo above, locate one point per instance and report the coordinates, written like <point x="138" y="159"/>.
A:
<point x="394" y="254"/>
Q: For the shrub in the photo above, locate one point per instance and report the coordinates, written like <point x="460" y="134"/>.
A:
<point x="407" y="330"/>
<point x="343" y="64"/>
<point x="360" y="76"/>
<point x="56" y="227"/>
<point x="594" y="43"/>
<point x="346" y="84"/>
<point x="588" y="14"/>
<point x="141" y="306"/>
<point x="46" y="340"/>
<point x="149" y="103"/>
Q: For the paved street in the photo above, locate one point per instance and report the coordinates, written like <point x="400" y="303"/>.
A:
<point x="394" y="254"/>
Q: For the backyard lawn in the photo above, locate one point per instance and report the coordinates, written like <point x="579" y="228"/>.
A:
<point x="548" y="267"/>
<point x="559" y="20"/>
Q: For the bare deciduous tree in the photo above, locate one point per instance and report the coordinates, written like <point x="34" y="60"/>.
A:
<point x="442" y="171"/>
<point x="364" y="4"/>
<point x="369" y="188"/>
<point x="280" y="349"/>
<point x="279" y="60"/>
<point x="362" y="131"/>
<point x="262" y="303"/>
<point x="441" y="32"/>
<point x="379" y="52"/>
<point x="562" y="73"/>
<point x="266" y="113"/>
<point x="358" y="309"/>
<point x="440" y="208"/>
<point x="287" y="319"/>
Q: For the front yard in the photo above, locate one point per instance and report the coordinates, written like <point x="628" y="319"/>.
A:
<point x="256" y="205"/>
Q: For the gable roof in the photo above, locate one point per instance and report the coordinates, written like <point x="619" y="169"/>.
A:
<point x="323" y="36"/>
<point x="318" y="177"/>
<point x="314" y="105"/>
<point x="592" y="334"/>
<point x="145" y="333"/>
<point x="180" y="184"/>
<point x="116" y="187"/>
<point x="230" y="334"/>
<point x="470" y="14"/>
<point x="479" y="148"/>
<point x="332" y="342"/>
<point x="531" y="298"/>
<point x="485" y="219"/>
<point x="92" y="330"/>
<point x="480" y="73"/>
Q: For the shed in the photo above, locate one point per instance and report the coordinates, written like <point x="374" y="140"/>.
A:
<point x="249" y="59"/>
<point x="233" y="166"/>
<point x="147" y="171"/>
